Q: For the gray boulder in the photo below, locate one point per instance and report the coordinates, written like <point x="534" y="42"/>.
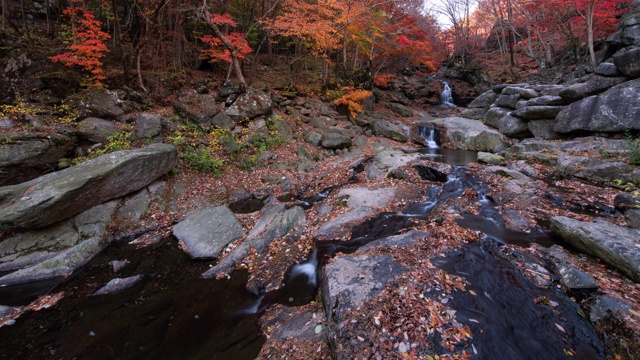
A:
<point x="507" y="101"/>
<point x="615" y="245"/>
<point x="222" y="121"/>
<point x="96" y="130"/>
<point x="483" y="101"/>
<point x="489" y="158"/>
<point x="56" y="196"/>
<point x="525" y="93"/>
<point x="204" y="235"/>
<point x="615" y="110"/>
<point x="341" y="225"/>
<point x="543" y="129"/>
<point x="466" y="134"/>
<point x="475" y="114"/>
<point x="149" y="126"/>
<point x="199" y="107"/>
<point x="628" y="62"/>
<point x="250" y="104"/>
<point x="25" y="156"/>
<point x="276" y="221"/>
<point x="536" y="112"/>
<point x="604" y="305"/>
<point x="546" y="100"/>
<point x="335" y="138"/>
<point x="393" y="131"/>
<point x="607" y="69"/>
<point x="493" y="116"/>
<point x="514" y="127"/>
<point x="633" y="218"/>
<point x="97" y="102"/>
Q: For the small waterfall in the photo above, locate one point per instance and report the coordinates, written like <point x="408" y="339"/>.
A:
<point x="428" y="133"/>
<point x="446" y="98"/>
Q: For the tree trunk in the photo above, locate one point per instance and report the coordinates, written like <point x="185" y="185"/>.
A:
<point x="234" y="55"/>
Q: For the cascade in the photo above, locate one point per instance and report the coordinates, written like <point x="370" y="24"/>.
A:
<point x="446" y="98"/>
<point x="428" y="133"/>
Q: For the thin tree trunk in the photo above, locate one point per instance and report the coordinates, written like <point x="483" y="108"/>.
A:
<point x="140" y="82"/>
<point x="24" y="19"/>
<point x="4" y="15"/>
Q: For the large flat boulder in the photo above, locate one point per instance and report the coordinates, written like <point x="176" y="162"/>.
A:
<point x="204" y="234"/>
<point x="466" y="134"/>
<point x="60" y="195"/>
<point x="390" y="130"/>
<point x="616" y="245"/>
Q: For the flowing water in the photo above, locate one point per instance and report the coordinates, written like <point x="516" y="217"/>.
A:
<point x="446" y="97"/>
<point x="173" y="314"/>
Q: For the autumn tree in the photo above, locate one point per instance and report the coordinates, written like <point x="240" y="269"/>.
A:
<point x="88" y="43"/>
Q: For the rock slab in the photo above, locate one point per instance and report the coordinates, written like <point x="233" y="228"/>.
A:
<point x="617" y="246"/>
<point x="57" y="196"/>
<point x="204" y="234"/>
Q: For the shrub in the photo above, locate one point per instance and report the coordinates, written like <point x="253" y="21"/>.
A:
<point x="353" y="100"/>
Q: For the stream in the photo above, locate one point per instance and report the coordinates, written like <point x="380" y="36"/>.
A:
<point x="174" y="314"/>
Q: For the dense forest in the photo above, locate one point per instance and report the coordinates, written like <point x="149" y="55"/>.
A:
<point x="350" y="42"/>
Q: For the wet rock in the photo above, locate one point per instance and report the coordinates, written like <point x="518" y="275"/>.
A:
<point x="199" y="107"/>
<point x="350" y="281"/>
<point x="363" y="197"/>
<point x="61" y="265"/>
<point x="393" y="131"/>
<point x="25" y="156"/>
<point x="130" y="213"/>
<point x="489" y="158"/>
<point x="571" y="277"/>
<point x="276" y="221"/>
<point x="431" y="173"/>
<point x="250" y="104"/>
<point x="291" y="325"/>
<point x="118" y="265"/>
<point x="465" y="134"/>
<point x="118" y="284"/>
<point x="204" y="234"/>
<point x="32" y="247"/>
<point x="615" y="245"/>
<point x="54" y="197"/>
<point x="149" y="127"/>
<point x="96" y="130"/>
<point x="628" y="62"/>
<point x="604" y="305"/>
<point x="406" y="239"/>
<point x="341" y="225"/>
<point x="401" y="110"/>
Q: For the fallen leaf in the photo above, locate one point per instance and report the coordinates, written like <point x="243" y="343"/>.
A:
<point x="560" y="328"/>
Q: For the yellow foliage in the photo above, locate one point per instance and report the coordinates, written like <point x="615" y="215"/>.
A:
<point x="353" y="100"/>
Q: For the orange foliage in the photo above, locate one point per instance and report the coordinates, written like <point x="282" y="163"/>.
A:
<point x="383" y="81"/>
<point x="88" y="43"/>
<point x="218" y="51"/>
<point x="353" y="100"/>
